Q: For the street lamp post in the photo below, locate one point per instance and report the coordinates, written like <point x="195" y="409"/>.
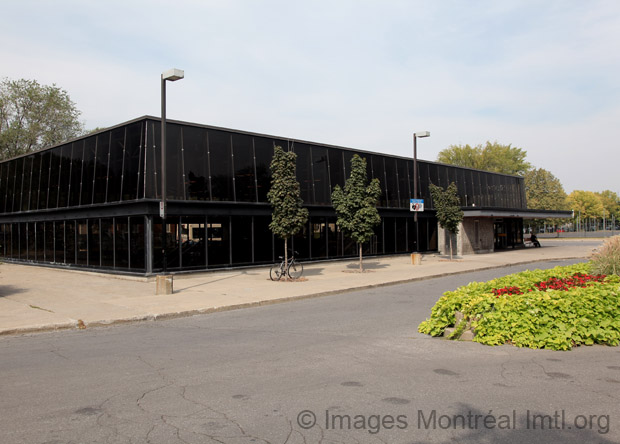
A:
<point x="415" y="183"/>
<point x="170" y="75"/>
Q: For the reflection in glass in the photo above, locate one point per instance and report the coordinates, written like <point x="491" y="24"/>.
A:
<point x="196" y="161"/>
<point x="218" y="240"/>
<point x="88" y="171"/>
<point x="115" y="168"/>
<point x="304" y="172"/>
<point x="243" y="155"/>
<point x="193" y="242"/>
<point x="221" y="166"/>
<point x="82" y="242"/>
<point x="132" y="177"/>
<point x="121" y="242"/>
<point x="75" y="182"/>
<point x="263" y="151"/>
<point x="101" y="167"/>
<point x="320" y="174"/>
<point x="34" y="182"/>
<point x="136" y="248"/>
<point x="241" y="236"/>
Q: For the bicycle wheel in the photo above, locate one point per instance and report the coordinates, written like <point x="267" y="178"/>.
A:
<point x="275" y="273"/>
<point x="295" y="270"/>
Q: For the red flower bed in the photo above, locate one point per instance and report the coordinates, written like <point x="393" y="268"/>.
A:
<point x="576" y="280"/>
<point x="506" y="290"/>
<point x="563" y="284"/>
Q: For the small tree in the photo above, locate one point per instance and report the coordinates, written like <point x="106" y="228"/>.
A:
<point x="448" y="207"/>
<point x="356" y="205"/>
<point x="288" y="215"/>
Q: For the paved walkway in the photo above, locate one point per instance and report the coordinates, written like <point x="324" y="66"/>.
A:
<point x="43" y="299"/>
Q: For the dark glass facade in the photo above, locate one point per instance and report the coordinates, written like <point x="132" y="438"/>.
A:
<point x="94" y="202"/>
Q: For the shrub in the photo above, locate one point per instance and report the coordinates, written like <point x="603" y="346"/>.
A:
<point x="555" y="309"/>
<point x="607" y="259"/>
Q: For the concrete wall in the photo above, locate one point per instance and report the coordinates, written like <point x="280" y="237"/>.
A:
<point x="475" y="236"/>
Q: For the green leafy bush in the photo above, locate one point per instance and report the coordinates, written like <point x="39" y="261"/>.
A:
<point x="607" y="259"/>
<point x="539" y="316"/>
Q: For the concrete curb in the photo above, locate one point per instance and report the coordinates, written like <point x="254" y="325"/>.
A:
<point x="202" y="311"/>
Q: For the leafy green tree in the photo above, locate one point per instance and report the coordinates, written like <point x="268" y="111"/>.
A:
<point x="356" y="205"/>
<point x="587" y="203"/>
<point x="288" y="216"/>
<point x="544" y="191"/>
<point x="34" y="116"/>
<point x="448" y="207"/>
<point x="493" y="157"/>
<point x="611" y="204"/>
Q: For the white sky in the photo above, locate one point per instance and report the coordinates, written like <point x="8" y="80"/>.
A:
<point x="540" y="75"/>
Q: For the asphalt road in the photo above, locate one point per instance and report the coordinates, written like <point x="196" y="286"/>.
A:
<point x="353" y="362"/>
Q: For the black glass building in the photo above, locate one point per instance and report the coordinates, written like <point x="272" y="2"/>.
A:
<point x="94" y="202"/>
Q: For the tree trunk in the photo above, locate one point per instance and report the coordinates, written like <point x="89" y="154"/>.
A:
<point x="361" y="267"/>
<point x="285" y="253"/>
<point x="450" y="235"/>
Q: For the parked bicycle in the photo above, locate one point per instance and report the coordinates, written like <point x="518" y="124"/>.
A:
<point x="291" y="268"/>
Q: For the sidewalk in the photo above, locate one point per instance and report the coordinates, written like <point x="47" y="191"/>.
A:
<point x="43" y="299"/>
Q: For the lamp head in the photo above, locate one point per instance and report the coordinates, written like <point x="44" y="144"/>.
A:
<point x="173" y="74"/>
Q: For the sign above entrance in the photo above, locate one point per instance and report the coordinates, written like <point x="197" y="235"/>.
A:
<point x="416" y="205"/>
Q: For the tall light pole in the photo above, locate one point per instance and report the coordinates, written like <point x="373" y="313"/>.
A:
<point x="170" y="75"/>
<point x="415" y="183"/>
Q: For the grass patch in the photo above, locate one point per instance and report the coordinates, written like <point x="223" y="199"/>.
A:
<point x="553" y="309"/>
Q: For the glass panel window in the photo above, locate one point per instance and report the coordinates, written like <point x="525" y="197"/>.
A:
<point x="107" y="242"/>
<point x="10" y="182"/>
<point x="49" y="241"/>
<point x="136" y="248"/>
<point x="82" y="242"/>
<point x="220" y="161"/>
<point x="101" y="167"/>
<point x="94" y="244"/>
<point x="59" y="242"/>
<point x="389" y="235"/>
<point x="34" y="182"/>
<point x="336" y="167"/>
<point x="320" y="174"/>
<point x="70" y="242"/>
<point x="88" y="171"/>
<point x="19" y="177"/>
<point x="40" y="241"/>
<point x="401" y="234"/>
<point x="3" y="185"/>
<point x="65" y="175"/>
<point x="241" y="235"/>
<point x="243" y="152"/>
<point x="318" y="237"/>
<point x="404" y="184"/>
<point x="304" y="172"/>
<point x="196" y="163"/>
<point x="218" y="246"/>
<point x="263" y="247"/>
<point x="263" y="150"/>
<point x="44" y="179"/>
<point x="76" y="173"/>
<point x="391" y="176"/>
<point x="152" y="160"/>
<point x="30" y="241"/>
<point x="121" y="242"/>
<point x="27" y="181"/>
<point x="378" y="172"/>
<point x="115" y="170"/>
<point x="193" y="244"/>
<point x="131" y="164"/>
<point x="175" y="180"/>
